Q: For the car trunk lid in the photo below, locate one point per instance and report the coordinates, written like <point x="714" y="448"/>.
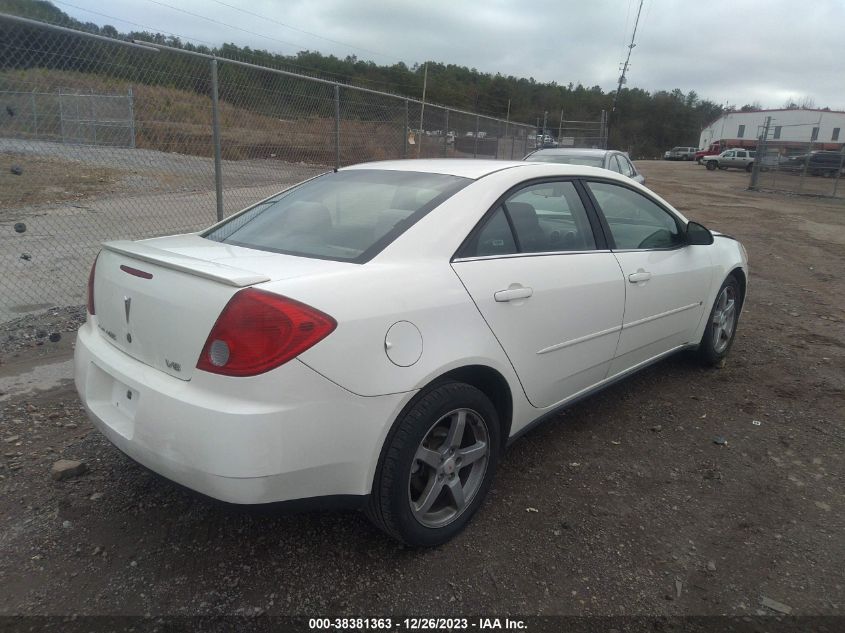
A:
<point x="157" y="300"/>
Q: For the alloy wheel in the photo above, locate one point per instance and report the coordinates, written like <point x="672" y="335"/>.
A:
<point x="724" y="319"/>
<point x="448" y="468"/>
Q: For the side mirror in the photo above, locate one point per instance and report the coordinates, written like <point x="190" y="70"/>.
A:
<point x="698" y="235"/>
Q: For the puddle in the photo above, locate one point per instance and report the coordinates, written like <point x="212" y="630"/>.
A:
<point x="40" y="377"/>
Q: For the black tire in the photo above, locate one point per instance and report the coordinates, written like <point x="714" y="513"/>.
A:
<point x="711" y="165"/>
<point x="389" y="506"/>
<point x="698" y="160"/>
<point x="709" y="353"/>
<point x="749" y="167"/>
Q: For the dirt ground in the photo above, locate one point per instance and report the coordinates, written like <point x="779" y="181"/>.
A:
<point x="638" y="510"/>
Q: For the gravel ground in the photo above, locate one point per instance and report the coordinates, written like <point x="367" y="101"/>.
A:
<point x="622" y="505"/>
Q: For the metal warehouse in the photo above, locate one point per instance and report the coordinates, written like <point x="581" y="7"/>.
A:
<point x="824" y="128"/>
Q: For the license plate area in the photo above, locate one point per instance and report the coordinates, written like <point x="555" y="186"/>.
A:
<point x="124" y="399"/>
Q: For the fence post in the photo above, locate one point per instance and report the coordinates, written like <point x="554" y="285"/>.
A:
<point x="839" y="171"/>
<point x="215" y="134"/>
<point x="760" y="155"/>
<point x="446" y="136"/>
<point x="475" y="143"/>
<point x="34" y="113"/>
<point x="337" y="126"/>
<point x="131" y="98"/>
<point x="62" y="116"/>
<point x="405" y="133"/>
<point x="93" y="116"/>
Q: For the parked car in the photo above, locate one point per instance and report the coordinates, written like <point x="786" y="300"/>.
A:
<point x="375" y="337"/>
<point x="737" y="158"/>
<point x="680" y="153"/>
<point x="604" y="158"/>
<point x="817" y="162"/>
<point x="714" y="149"/>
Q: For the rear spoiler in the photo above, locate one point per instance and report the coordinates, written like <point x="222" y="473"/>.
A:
<point x="222" y="273"/>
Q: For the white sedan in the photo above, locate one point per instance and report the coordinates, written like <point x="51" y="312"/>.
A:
<point x="378" y="335"/>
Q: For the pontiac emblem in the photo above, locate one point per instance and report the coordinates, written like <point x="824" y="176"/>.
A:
<point x="127" y="305"/>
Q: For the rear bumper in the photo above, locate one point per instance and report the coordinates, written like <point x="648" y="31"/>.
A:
<point x="285" y="435"/>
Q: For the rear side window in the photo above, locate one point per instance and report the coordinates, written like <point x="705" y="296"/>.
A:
<point x="635" y="221"/>
<point x="346" y="216"/>
<point x="539" y="218"/>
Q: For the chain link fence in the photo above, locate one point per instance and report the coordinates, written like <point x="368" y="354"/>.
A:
<point x="103" y="139"/>
<point x="802" y="165"/>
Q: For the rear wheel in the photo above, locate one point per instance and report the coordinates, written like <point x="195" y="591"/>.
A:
<point x="711" y="165"/>
<point x="437" y="466"/>
<point x="721" y="327"/>
<point x="749" y="167"/>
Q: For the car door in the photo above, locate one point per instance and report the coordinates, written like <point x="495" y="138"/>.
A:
<point x="667" y="280"/>
<point x="540" y="273"/>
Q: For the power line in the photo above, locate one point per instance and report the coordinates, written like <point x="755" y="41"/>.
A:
<point x="316" y="71"/>
<point x="143" y="26"/>
<point x="288" y="26"/>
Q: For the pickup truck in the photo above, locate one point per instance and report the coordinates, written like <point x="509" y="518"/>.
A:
<point x="738" y="158"/>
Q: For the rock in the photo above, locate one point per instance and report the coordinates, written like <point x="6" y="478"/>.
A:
<point x="20" y="227"/>
<point x="55" y="337"/>
<point x="821" y="505"/>
<point x="12" y="438"/>
<point x="67" y="469"/>
<point x="711" y="566"/>
<point x="656" y="428"/>
<point x="17" y="170"/>
<point x="720" y="440"/>
<point x="96" y="496"/>
<point x="774" y="605"/>
<point x="67" y="525"/>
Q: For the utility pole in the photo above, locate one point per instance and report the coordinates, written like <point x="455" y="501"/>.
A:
<point x="560" y="126"/>
<point x="628" y="58"/>
<point x="507" y="121"/>
<point x="422" y="109"/>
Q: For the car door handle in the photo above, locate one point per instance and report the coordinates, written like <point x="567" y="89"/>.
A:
<point x="639" y="276"/>
<point x="511" y="294"/>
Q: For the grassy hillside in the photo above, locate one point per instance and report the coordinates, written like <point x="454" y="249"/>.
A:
<point x="178" y="120"/>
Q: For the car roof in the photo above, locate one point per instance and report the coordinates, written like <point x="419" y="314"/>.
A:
<point x="574" y="151"/>
<point x="478" y="168"/>
<point x="463" y="167"/>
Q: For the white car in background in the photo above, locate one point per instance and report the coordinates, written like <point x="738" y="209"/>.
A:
<point x="377" y="336"/>
<point x="611" y="159"/>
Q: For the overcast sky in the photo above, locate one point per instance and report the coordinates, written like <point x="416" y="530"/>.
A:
<point x="728" y="51"/>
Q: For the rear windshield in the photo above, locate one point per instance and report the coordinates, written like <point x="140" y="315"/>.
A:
<point x="589" y="161"/>
<point x="346" y="216"/>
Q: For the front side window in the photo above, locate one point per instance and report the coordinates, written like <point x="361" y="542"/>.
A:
<point x="539" y="218"/>
<point x="346" y="216"/>
<point x="627" y="167"/>
<point x="615" y="164"/>
<point x="635" y="221"/>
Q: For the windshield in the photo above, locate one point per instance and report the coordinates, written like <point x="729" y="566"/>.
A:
<point x="346" y="216"/>
<point x="568" y="159"/>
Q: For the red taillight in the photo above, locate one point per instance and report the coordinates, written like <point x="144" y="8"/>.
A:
<point x="258" y="331"/>
<point x="91" y="286"/>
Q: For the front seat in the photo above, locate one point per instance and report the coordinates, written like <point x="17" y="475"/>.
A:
<point x="527" y="226"/>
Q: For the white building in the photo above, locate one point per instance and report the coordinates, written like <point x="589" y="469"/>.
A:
<point x="741" y="129"/>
